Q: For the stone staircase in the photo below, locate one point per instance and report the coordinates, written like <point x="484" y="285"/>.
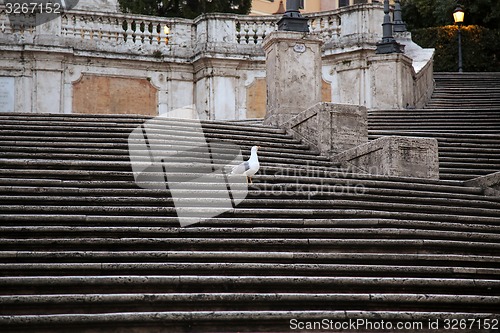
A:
<point x="463" y="115"/>
<point x="83" y="248"/>
<point x="466" y="91"/>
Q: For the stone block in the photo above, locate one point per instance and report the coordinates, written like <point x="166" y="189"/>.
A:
<point x="293" y="72"/>
<point x="395" y="156"/>
<point x="330" y="128"/>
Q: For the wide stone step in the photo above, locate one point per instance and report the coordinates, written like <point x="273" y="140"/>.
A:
<point x="274" y="207"/>
<point x="279" y="190"/>
<point x="356" y="229"/>
<point x="258" y="283"/>
<point x="179" y="137"/>
<point x="96" y="303"/>
<point x="275" y="198"/>
<point x="122" y="147"/>
<point x="261" y="320"/>
<point x="245" y="268"/>
<point x="375" y="245"/>
<point x="126" y="121"/>
<point x="277" y="256"/>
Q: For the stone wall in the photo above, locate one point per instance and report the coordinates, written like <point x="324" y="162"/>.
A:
<point x="215" y="62"/>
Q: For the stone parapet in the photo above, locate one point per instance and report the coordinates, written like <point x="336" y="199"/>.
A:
<point x="395" y="156"/>
<point x="328" y="127"/>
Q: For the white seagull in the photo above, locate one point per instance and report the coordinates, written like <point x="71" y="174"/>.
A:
<point x="250" y="167"/>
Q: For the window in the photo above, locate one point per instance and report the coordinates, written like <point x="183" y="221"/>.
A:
<point x="343" y="3"/>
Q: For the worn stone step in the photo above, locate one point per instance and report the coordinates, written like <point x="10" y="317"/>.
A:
<point x="109" y="159"/>
<point x="255" y="255"/>
<point x="376" y="245"/>
<point x="124" y="120"/>
<point x="179" y="137"/>
<point x="70" y="224"/>
<point x="95" y="303"/>
<point x="261" y="320"/>
<point x="480" y="233"/>
<point x="89" y="205"/>
<point x="254" y="284"/>
<point x="247" y="268"/>
<point x="115" y="153"/>
<point x="285" y="198"/>
<point x="277" y="190"/>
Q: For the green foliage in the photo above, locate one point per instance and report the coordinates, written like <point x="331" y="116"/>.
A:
<point x="184" y="8"/>
<point x="432" y="13"/>
<point x="480" y="47"/>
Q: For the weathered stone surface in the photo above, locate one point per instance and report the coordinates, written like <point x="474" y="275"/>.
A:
<point x="293" y="68"/>
<point x="210" y="61"/>
<point x="95" y="94"/>
<point x="330" y="128"/>
<point x="394" y="156"/>
<point x="489" y="183"/>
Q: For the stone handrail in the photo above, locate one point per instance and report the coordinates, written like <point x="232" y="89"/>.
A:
<point x="148" y="34"/>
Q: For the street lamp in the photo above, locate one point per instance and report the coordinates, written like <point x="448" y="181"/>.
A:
<point x="292" y="20"/>
<point x="458" y="17"/>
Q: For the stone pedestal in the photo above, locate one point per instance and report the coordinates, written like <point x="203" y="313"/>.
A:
<point x="394" y="156"/>
<point x="330" y="128"/>
<point x="293" y="74"/>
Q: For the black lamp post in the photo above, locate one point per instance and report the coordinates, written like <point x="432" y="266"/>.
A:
<point x="292" y="20"/>
<point x="398" y="25"/>
<point x="388" y="43"/>
<point x="458" y="17"/>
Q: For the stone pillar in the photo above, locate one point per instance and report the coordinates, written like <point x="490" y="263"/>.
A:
<point x="293" y="74"/>
<point x="394" y="156"/>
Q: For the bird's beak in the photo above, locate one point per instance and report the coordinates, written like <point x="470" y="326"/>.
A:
<point x="258" y="147"/>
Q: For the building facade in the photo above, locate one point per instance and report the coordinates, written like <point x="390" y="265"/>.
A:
<point x="97" y="61"/>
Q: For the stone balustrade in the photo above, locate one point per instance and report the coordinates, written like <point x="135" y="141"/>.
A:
<point x="110" y="31"/>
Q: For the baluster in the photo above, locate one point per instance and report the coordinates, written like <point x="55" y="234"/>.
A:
<point x="326" y="29"/>
<point x="255" y="35"/>
<point x="168" y="32"/>
<point x="64" y="25"/>
<point x="155" y="38"/>
<point x="155" y="35"/>
<point x="100" y="34"/>
<point x="108" y="29"/>
<point x="246" y="30"/>
<point x="238" y="32"/>
<point x="117" y="31"/>
<point x="129" y="38"/>
<point x="95" y="28"/>
<point x="87" y="32"/>
<point x="263" y="32"/>
<point x="137" y="33"/>
<point x="77" y="29"/>
<point x="313" y="25"/>
<point x="148" y="26"/>
<point x="164" y="30"/>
